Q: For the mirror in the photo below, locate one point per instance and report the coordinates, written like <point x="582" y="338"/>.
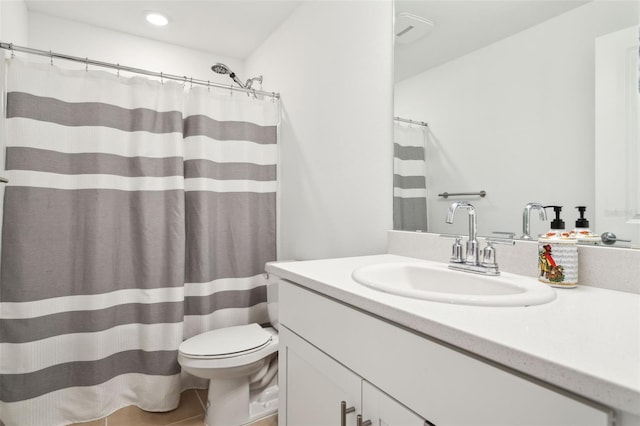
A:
<point x="508" y="90"/>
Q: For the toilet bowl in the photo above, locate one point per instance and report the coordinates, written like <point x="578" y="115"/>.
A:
<point x="241" y="365"/>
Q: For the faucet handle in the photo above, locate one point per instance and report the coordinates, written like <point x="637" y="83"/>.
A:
<point x="489" y="253"/>
<point x="456" y="249"/>
<point x="489" y="256"/>
<point x="610" y="238"/>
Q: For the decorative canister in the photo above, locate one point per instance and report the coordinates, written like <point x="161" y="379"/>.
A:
<point x="558" y="261"/>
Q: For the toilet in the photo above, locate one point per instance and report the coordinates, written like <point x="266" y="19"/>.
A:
<point x="241" y="365"/>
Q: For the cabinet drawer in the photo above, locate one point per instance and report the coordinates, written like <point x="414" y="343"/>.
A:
<point x="443" y="385"/>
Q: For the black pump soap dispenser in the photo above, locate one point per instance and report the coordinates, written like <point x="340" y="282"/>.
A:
<point x="582" y="231"/>
<point x="557" y="225"/>
<point x="558" y="255"/>
<point x="582" y="223"/>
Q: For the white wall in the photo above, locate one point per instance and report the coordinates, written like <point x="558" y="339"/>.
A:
<point x="82" y="40"/>
<point x="14" y="22"/>
<point x="332" y="64"/>
<point x="516" y="119"/>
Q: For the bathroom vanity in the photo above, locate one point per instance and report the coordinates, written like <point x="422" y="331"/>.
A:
<point x="350" y="354"/>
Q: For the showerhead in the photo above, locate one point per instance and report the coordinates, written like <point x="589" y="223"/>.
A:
<point x="220" y="68"/>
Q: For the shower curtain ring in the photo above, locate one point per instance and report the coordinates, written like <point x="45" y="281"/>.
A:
<point x="161" y="78"/>
<point x="191" y="83"/>
<point x="118" y="70"/>
<point x="208" y="87"/>
<point x="51" y="57"/>
<point x="86" y="64"/>
<point x="231" y="90"/>
<point x="13" y="53"/>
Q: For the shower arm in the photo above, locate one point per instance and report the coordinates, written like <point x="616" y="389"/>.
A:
<point x="250" y="81"/>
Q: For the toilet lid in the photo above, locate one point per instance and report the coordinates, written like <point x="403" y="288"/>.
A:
<point x="226" y="341"/>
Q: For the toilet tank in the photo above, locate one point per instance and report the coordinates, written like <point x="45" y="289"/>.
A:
<point x="272" y="301"/>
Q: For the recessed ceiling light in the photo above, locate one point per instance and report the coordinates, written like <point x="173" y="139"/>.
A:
<point x="157" y="19"/>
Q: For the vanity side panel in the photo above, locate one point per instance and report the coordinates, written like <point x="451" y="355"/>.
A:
<point x="443" y="385"/>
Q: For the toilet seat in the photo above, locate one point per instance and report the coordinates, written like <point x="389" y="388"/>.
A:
<point x="226" y="342"/>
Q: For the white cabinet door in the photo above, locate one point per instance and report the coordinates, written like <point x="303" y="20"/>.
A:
<point x="315" y="386"/>
<point x="382" y="410"/>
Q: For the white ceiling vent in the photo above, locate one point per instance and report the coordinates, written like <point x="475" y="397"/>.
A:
<point x="410" y="27"/>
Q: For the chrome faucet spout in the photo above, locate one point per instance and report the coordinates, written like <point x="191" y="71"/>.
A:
<point x="471" y="262"/>
<point x="473" y="252"/>
<point x="452" y="211"/>
<point x="526" y="218"/>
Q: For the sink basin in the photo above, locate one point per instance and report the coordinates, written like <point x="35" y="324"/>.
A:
<point x="436" y="282"/>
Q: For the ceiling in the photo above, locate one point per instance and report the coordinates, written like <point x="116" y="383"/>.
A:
<point x="235" y="28"/>
<point x="460" y="27"/>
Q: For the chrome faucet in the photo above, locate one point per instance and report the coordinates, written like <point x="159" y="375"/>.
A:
<point x="473" y="253"/>
<point x="526" y="218"/>
<point x="471" y="261"/>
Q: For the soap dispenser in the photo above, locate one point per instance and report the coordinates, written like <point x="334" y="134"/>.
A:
<point x="582" y="232"/>
<point x="557" y="225"/>
<point x="558" y="255"/>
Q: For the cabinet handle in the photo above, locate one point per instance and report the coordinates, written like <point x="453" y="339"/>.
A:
<point x="344" y="411"/>
<point x="359" y="421"/>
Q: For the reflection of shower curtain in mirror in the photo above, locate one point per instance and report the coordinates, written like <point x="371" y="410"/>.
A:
<point x="409" y="178"/>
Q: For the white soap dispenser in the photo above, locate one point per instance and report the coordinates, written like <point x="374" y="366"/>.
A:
<point x="558" y="255"/>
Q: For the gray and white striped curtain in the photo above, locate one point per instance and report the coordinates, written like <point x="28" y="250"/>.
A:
<point x="409" y="178"/>
<point x="230" y="191"/>
<point x="119" y="188"/>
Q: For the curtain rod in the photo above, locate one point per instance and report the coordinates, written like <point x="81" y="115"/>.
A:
<point x="13" y="48"/>
<point x="406" y="120"/>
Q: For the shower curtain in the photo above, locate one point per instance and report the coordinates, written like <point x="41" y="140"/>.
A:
<point x="409" y="178"/>
<point x="230" y="188"/>
<point x="137" y="214"/>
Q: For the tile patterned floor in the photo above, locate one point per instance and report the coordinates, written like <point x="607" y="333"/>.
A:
<point x="190" y="412"/>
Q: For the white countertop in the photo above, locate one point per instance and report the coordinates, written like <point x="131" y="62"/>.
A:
<point x="586" y="341"/>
